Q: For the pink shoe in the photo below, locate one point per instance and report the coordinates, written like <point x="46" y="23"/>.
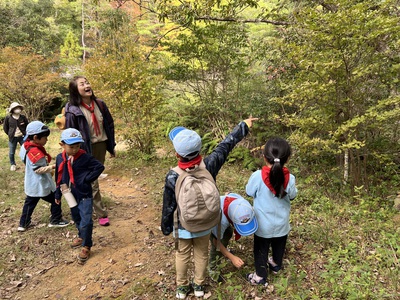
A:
<point x="104" y="221"/>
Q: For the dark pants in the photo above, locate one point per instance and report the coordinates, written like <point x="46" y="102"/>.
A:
<point x="99" y="151"/>
<point x="29" y="207"/>
<point x="82" y="216"/>
<point x="261" y="249"/>
<point x="12" y="145"/>
<point x="214" y="254"/>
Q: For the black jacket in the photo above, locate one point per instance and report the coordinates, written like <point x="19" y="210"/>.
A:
<point x="10" y="125"/>
<point x="74" y="118"/>
<point x="213" y="164"/>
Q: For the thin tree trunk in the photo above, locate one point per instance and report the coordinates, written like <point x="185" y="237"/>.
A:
<point x="346" y="167"/>
<point x="83" y="35"/>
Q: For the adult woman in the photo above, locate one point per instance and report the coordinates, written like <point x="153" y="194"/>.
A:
<point x="15" y="127"/>
<point x="92" y="118"/>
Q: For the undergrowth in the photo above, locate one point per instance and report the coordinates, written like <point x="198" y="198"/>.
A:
<point x="340" y="246"/>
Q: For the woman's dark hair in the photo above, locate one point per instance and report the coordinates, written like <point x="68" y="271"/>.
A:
<point x="277" y="152"/>
<point x="74" y="96"/>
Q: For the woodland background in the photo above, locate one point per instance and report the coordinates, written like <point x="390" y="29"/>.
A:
<point x="322" y="74"/>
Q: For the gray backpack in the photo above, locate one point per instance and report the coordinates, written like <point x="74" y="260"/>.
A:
<point x="198" y="199"/>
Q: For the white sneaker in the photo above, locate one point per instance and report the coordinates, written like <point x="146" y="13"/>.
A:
<point x="13" y="168"/>
<point x="21" y="229"/>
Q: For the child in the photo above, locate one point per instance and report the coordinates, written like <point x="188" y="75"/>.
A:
<point x="78" y="170"/>
<point x="238" y="212"/>
<point x="15" y="127"/>
<point x="272" y="188"/>
<point x="38" y="182"/>
<point x="187" y="144"/>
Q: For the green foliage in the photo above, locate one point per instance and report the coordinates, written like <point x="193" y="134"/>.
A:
<point x="127" y="82"/>
<point x="40" y="25"/>
<point x="340" y="61"/>
<point x="70" y="51"/>
<point x="211" y="66"/>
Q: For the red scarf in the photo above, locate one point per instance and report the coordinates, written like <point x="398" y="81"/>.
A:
<point x="69" y="166"/>
<point x="265" y="177"/>
<point x="228" y="201"/>
<point x="36" y="152"/>
<point x="190" y="164"/>
<point x="94" y="119"/>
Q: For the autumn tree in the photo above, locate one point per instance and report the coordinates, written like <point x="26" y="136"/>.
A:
<point x="28" y="79"/>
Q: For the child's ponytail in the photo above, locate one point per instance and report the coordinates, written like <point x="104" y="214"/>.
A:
<point x="277" y="152"/>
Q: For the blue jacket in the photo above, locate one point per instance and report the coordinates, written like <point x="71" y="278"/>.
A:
<point x="272" y="213"/>
<point x="86" y="169"/>
<point x="36" y="185"/>
<point x="213" y="164"/>
<point x="74" y="118"/>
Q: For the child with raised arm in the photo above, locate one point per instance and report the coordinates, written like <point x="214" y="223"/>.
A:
<point x="273" y="188"/>
<point x="38" y="183"/>
<point x="238" y="213"/>
<point x="187" y="144"/>
<point x="77" y="170"/>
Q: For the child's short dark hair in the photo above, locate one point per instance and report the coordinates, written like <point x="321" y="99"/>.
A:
<point x="42" y="134"/>
<point x="195" y="154"/>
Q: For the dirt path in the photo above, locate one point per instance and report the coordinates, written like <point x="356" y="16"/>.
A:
<point x="129" y="257"/>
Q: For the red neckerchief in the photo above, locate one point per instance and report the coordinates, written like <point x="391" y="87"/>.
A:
<point x="94" y="119"/>
<point x="36" y="152"/>
<point x="228" y="201"/>
<point x="265" y="177"/>
<point x="190" y="164"/>
<point x="69" y="166"/>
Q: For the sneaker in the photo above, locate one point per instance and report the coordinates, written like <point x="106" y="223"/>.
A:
<point x="104" y="221"/>
<point x="254" y="279"/>
<point x="13" y="168"/>
<point x="59" y="224"/>
<point x="77" y="242"/>
<point x="83" y="256"/>
<point x="198" y="290"/>
<point x="273" y="266"/>
<point x="182" y="291"/>
<point x="24" y="228"/>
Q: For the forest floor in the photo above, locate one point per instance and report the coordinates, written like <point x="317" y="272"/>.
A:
<point x="132" y="248"/>
<point x="132" y="259"/>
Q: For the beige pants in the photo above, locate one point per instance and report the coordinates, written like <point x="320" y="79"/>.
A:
<point x="99" y="152"/>
<point x="200" y="255"/>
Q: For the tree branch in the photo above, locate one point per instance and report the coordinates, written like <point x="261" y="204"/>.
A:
<point x="209" y="18"/>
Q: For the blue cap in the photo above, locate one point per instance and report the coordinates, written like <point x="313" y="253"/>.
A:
<point x="185" y="142"/>
<point x="242" y="215"/>
<point x="35" y="127"/>
<point x="71" y="136"/>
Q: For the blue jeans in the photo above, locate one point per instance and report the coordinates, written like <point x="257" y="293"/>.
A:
<point x="29" y="207"/>
<point x="12" y="145"/>
<point x="82" y="216"/>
